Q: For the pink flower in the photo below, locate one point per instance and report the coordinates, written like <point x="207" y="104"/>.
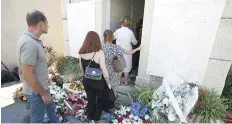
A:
<point x="145" y="122"/>
<point x="128" y="114"/>
<point x="198" y="104"/>
<point x="62" y="113"/>
<point x="79" y="101"/>
<point x="228" y="75"/>
<point x="202" y="93"/>
<point x="70" y="100"/>
<point x="190" y="117"/>
<point x="228" y="118"/>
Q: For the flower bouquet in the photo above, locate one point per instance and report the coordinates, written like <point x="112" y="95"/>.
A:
<point x="228" y="118"/>
<point x="133" y="114"/>
<point x="18" y="94"/>
<point x="76" y="87"/>
<point x="60" y="112"/>
<point x="76" y="105"/>
<point x="173" y="100"/>
<point x="57" y="93"/>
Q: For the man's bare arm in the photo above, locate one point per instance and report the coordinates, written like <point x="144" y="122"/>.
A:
<point x="29" y="77"/>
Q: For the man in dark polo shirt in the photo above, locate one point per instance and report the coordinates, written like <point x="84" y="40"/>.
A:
<point x="33" y="68"/>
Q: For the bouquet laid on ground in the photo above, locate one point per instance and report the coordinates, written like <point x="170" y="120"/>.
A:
<point x="18" y="94"/>
<point x="57" y="93"/>
<point x="74" y="87"/>
<point x="173" y="100"/>
<point x="59" y="112"/>
<point x="228" y="117"/>
<point x="133" y="114"/>
<point x="76" y="105"/>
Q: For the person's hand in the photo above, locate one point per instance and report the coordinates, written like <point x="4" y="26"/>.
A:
<point x="46" y="97"/>
<point x="140" y="47"/>
<point x="109" y="85"/>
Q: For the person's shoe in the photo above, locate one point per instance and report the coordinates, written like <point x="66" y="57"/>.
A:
<point x="126" y="82"/>
<point x="106" y="110"/>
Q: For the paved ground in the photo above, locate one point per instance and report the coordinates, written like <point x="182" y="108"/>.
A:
<point x="13" y="111"/>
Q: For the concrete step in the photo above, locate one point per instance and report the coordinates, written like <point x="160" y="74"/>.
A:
<point x="124" y="89"/>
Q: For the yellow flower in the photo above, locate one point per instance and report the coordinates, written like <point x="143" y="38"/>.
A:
<point x="24" y="98"/>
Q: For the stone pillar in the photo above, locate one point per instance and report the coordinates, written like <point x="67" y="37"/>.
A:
<point x="65" y="25"/>
<point x="147" y="24"/>
<point x="219" y="61"/>
<point x="221" y="55"/>
<point x="100" y="17"/>
<point x="100" y="20"/>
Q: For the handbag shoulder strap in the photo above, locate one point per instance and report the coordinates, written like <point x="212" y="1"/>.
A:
<point x="116" y="47"/>
<point x="91" y="60"/>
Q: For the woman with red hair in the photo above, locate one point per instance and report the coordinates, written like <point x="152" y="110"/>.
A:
<point x="92" y="57"/>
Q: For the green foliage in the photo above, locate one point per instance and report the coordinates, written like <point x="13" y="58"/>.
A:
<point x="144" y="93"/>
<point x="69" y="66"/>
<point x="50" y="54"/>
<point x="209" y="106"/>
<point x="227" y="92"/>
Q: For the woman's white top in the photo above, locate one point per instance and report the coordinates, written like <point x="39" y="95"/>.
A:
<point x="125" y="37"/>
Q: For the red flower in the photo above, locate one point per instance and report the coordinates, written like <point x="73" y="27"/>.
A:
<point x="228" y="75"/>
<point x="77" y="106"/>
<point x="202" y="93"/>
<point x="228" y="118"/>
<point x="62" y="113"/>
<point x="198" y="104"/>
<point x="128" y="114"/>
<point x="190" y="117"/>
<point x="120" y="120"/>
<point x="21" y="97"/>
<point x="70" y="100"/>
<point x="145" y="122"/>
<point x="79" y="101"/>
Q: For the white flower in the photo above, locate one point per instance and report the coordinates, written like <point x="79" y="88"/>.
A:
<point x="131" y="116"/>
<point x="81" y="111"/>
<point x="60" y="118"/>
<point x="155" y="114"/>
<point x="123" y="110"/>
<point x="116" y="112"/>
<point x="124" y="121"/>
<point x="136" y="118"/>
<point x="140" y="121"/>
<point x="128" y="122"/>
<point x="134" y="122"/>
<point x="147" y="117"/>
<point x="165" y="101"/>
<point x="154" y="96"/>
<point x="115" y="121"/>
<point x="128" y="109"/>
<point x="57" y="107"/>
<point x="171" y="117"/>
<point x="179" y="99"/>
<point x="84" y="94"/>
